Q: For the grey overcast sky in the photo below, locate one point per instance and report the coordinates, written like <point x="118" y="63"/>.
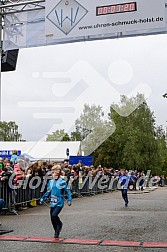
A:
<point x="51" y="84"/>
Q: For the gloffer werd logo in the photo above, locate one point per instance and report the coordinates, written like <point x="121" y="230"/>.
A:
<point x="66" y="15"/>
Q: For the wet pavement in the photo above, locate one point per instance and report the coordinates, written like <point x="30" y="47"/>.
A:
<point x="101" y="217"/>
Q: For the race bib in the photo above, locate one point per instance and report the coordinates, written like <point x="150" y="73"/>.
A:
<point x="53" y="199"/>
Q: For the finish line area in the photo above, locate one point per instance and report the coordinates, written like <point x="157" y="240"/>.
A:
<point x="85" y="242"/>
<point x="95" y="223"/>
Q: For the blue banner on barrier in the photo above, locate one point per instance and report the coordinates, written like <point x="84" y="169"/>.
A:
<point x="8" y="153"/>
<point x="85" y="160"/>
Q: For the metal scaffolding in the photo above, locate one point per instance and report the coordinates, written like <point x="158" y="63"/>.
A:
<point x="11" y="7"/>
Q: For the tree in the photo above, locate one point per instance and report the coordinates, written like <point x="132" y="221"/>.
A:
<point x="58" y="135"/>
<point x="76" y="136"/>
<point x="135" y="135"/>
<point x="128" y="139"/>
<point x="89" y="119"/>
<point x="9" y="131"/>
<point x="134" y="143"/>
<point x="162" y="150"/>
<point x="92" y="128"/>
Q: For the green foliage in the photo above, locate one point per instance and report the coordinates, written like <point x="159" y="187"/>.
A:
<point x="9" y="132"/>
<point x="136" y="143"/>
<point x="58" y="135"/>
<point x="134" y="137"/>
<point x="76" y="136"/>
<point x="92" y="128"/>
<point x="89" y="119"/>
<point x="162" y="151"/>
<point x="129" y="138"/>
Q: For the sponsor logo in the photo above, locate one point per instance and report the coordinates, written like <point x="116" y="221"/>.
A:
<point x="66" y="15"/>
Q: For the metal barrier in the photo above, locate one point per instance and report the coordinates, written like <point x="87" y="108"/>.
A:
<point x="24" y="195"/>
<point x="93" y="185"/>
<point x="32" y="189"/>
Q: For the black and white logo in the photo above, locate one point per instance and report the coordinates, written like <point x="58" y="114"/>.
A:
<point x="66" y="15"/>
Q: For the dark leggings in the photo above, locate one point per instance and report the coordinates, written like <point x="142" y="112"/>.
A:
<point x="2" y="203"/>
<point x="125" y="195"/>
<point x="54" y="212"/>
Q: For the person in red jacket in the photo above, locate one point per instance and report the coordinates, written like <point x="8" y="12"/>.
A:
<point x="19" y="175"/>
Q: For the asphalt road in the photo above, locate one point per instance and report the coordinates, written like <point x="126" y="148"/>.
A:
<point x="102" y="217"/>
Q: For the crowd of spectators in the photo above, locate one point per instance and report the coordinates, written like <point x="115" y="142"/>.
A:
<point x="23" y="168"/>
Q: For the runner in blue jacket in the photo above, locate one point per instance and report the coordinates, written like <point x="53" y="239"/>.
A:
<point x="55" y="191"/>
<point x="124" y="183"/>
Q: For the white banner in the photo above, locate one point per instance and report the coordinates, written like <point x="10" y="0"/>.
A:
<point x="82" y="20"/>
<point x="75" y="18"/>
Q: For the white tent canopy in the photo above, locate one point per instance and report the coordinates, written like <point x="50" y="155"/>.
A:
<point x="43" y="150"/>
